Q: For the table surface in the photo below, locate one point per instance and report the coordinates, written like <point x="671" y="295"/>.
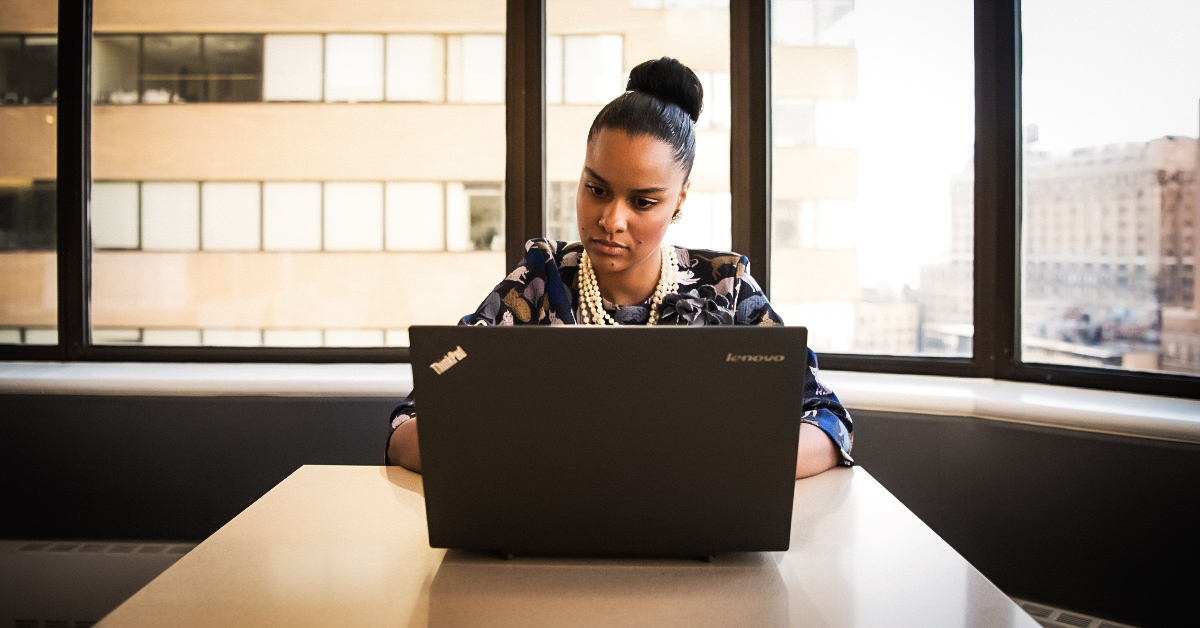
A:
<point x="347" y="546"/>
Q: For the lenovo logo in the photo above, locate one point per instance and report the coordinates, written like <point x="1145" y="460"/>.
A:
<point x="754" y="358"/>
<point x="452" y="358"/>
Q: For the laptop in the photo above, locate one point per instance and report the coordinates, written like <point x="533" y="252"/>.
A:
<point x="586" y="441"/>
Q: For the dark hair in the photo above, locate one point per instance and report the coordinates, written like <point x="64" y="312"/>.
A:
<point x="663" y="101"/>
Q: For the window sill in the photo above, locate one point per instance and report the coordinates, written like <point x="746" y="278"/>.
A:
<point x="1144" y="416"/>
<point x="195" y="379"/>
<point x="1105" y="412"/>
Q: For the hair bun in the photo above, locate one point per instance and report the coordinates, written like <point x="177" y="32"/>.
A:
<point x="669" y="81"/>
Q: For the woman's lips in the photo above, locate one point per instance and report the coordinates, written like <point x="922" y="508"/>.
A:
<point x="608" y="247"/>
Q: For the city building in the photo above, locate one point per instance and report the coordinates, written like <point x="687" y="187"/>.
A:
<point x="1107" y="246"/>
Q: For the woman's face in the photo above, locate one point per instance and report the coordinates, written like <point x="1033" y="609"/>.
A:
<point x="630" y="188"/>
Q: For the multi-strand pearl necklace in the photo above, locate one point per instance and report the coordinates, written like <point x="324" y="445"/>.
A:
<point x="591" y="307"/>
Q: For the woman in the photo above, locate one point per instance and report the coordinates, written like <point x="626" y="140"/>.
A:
<point x="640" y="150"/>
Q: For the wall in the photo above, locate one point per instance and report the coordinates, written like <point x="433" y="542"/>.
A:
<point x="165" y="467"/>
<point x="1099" y="524"/>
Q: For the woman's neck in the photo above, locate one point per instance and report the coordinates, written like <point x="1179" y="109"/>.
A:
<point x="633" y="285"/>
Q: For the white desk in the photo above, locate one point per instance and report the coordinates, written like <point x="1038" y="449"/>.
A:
<point x="347" y="546"/>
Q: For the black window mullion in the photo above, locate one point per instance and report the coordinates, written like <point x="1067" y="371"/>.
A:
<point x="525" y="126"/>
<point x="997" y="185"/>
<point x="750" y="134"/>
<point x="74" y="175"/>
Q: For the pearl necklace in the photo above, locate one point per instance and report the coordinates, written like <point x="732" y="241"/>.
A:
<point x="591" y="308"/>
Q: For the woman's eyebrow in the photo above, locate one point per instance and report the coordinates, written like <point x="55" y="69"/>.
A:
<point x="592" y="173"/>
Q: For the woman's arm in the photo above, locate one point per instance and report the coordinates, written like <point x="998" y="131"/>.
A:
<point x="815" y="453"/>
<point x="402" y="446"/>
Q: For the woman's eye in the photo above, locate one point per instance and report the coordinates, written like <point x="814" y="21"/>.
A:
<point x="644" y="203"/>
<point x="595" y="190"/>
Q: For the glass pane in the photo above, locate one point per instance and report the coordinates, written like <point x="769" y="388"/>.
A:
<point x="353" y="68"/>
<point x="115" y="69"/>
<point x="293" y="67"/>
<point x="1110" y="197"/>
<point x="303" y="211"/>
<point x="591" y="47"/>
<point x="172" y="71"/>
<point x="873" y="132"/>
<point x="233" y="66"/>
<point x="28" y="210"/>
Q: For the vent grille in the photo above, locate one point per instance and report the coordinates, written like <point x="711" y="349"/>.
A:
<point x="1037" y="611"/>
<point x="1051" y="617"/>
<point x="177" y="549"/>
<point x="52" y="623"/>
<point x="1073" y="620"/>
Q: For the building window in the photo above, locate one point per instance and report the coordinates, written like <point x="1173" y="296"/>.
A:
<point x="28" y="69"/>
<point x="584" y="69"/>
<point x="27" y="215"/>
<point x="416" y="68"/>
<point x="293" y="67"/>
<point x="353" y="68"/>
<point x="813" y="23"/>
<point x="164" y="69"/>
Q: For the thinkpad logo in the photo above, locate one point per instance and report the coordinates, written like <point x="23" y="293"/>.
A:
<point x="452" y="358"/>
<point x="754" y="358"/>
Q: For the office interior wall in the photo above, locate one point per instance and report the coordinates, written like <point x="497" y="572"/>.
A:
<point x="111" y="467"/>
<point x="1089" y="522"/>
<point x="1094" y="523"/>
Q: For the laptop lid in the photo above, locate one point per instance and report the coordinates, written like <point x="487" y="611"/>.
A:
<point x="630" y="441"/>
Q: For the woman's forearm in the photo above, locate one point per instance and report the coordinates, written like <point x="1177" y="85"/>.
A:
<point x="402" y="447"/>
<point x="815" y="452"/>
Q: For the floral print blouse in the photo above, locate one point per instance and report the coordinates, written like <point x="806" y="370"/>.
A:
<point x="544" y="290"/>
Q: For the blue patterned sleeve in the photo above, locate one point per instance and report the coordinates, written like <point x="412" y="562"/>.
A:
<point x="822" y="409"/>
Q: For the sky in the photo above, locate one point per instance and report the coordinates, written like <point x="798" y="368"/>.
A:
<point x="1094" y="72"/>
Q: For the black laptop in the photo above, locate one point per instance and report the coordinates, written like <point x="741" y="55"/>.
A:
<point x="585" y="441"/>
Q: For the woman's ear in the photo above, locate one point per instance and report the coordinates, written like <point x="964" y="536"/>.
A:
<point x="683" y="193"/>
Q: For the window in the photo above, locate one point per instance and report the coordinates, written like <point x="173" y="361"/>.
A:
<point x="353" y="68"/>
<point x="28" y="67"/>
<point x="1100" y="142"/>
<point x="872" y="214"/>
<point x="270" y="224"/>
<point x="292" y="67"/>
<point x="416" y="68"/>
<point x="165" y="69"/>
<point x="277" y="224"/>
<point x="28" y="190"/>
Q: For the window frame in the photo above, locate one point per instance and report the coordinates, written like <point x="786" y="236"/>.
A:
<point x="998" y="194"/>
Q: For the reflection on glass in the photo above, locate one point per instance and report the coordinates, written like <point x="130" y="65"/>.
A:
<point x="590" y="47"/>
<point x="1110" y="197"/>
<point x="28" y="209"/>
<point x="375" y="205"/>
<point x="872" y="128"/>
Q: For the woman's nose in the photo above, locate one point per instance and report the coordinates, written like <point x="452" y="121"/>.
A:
<point x="613" y="220"/>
